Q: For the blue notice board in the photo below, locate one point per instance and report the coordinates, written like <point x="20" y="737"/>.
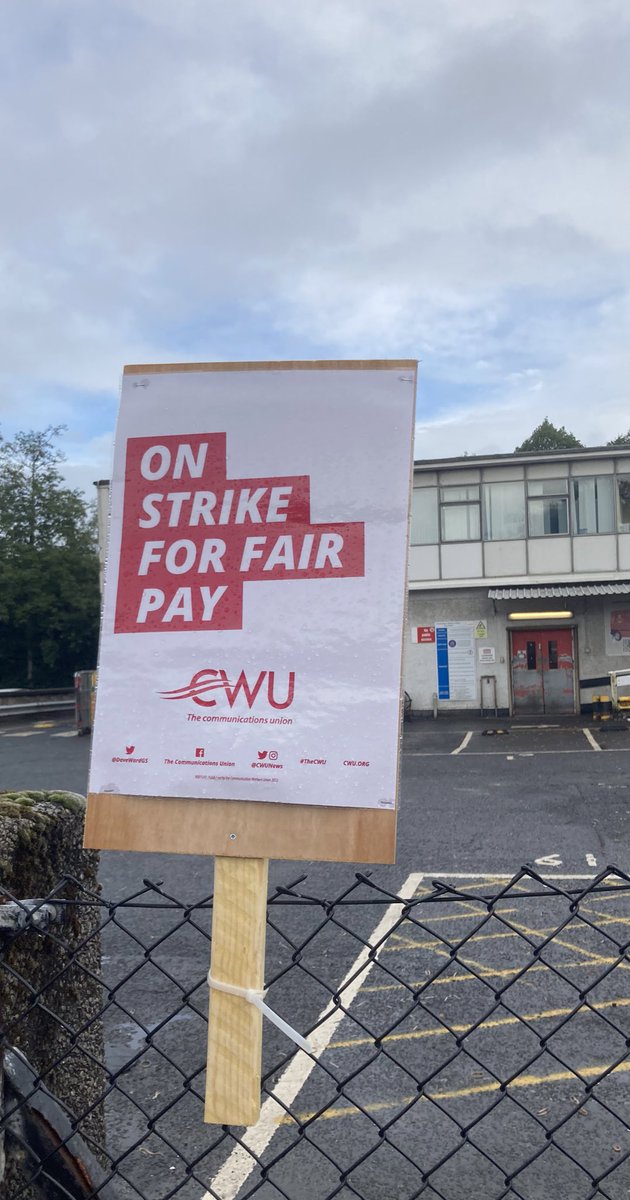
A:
<point x="441" y="651"/>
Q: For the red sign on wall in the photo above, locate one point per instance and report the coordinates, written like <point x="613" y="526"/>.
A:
<point x="424" y="633"/>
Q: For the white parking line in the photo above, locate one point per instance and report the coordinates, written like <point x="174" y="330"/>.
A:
<point x="240" y="1164"/>
<point x="464" y="743"/>
<point x="503" y="753"/>
<point x="589" y="737"/>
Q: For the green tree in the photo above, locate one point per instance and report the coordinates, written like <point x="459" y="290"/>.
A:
<point x="49" y="594"/>
<point x="622" y="440"/>
<point x="548" y="437"/>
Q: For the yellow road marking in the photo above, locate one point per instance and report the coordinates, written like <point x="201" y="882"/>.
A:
<point x="480" y="882"/>
<point x="439" y="943"/>
<point x="497" y="1023"/>
<point x="604" y="918"/>
<point x="522" y="1081"/>
<point x="608" y="896"/>
<point x="468" y="911"/>
<point x="403" y="943"/>
<point x="487" y="974"/>
<point x="480" y="968"/>
<point x="596" y="959"/>
<point x="522" y="888"/>
<point x="395" y="937"/>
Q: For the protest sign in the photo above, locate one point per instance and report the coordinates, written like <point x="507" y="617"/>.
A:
<point x="254" y="602"/>
<point x="249" y="685"/>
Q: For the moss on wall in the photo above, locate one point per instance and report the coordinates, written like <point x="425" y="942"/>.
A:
<point x="50" y="994"/>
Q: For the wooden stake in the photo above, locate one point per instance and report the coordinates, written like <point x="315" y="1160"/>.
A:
<point x="238" y="957"/>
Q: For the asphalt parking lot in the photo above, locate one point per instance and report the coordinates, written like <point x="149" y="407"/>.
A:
<point x="431" y="1039"/>
<point x="486" y="797"/>
<point x="473" y="800"/>
<point x="433" y="1026"/>
<point x="437" y="1082"/>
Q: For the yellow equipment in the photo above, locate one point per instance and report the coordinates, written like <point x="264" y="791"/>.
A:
<point x="620" y="691"/>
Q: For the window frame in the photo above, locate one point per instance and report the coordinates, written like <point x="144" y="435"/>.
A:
<point x="576" y="480"/>
<point x="493" y="483"/>
<point x="621" y="477"/>
<point x="562" y="493"/>
<point x="417" y="491"/>
<point x="467" y="503"/>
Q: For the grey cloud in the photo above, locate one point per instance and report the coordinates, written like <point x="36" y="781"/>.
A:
<point x="399" y="175"/>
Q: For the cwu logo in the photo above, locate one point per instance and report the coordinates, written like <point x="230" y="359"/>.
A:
<point x="207" y="683"/>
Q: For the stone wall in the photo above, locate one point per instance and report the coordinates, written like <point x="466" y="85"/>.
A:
<point x="50" y="994"/>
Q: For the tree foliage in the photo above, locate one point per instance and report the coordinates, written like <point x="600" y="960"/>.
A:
<point x="549" y="437"/>
<point x="49" y="594"/>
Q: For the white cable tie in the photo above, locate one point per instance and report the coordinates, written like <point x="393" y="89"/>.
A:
<point x="256" y="996"/>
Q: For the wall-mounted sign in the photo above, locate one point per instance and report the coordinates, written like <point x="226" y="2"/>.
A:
<point x="423" y="634"/>
<point x="455" y="661"/>
<point x="617" y="628"/>
<point x="487" y="654"/>
<point x="481" y="629"/>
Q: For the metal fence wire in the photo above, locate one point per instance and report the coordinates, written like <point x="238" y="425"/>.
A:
<point x="469" y="1042"/>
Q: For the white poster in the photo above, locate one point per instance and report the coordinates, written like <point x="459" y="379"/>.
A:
<point x="617" y="628"/>
<point x="455" y="661"/>
<point x="255" y="589"/>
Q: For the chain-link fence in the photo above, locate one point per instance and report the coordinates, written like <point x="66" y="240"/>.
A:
<point x="468" y="1042"/>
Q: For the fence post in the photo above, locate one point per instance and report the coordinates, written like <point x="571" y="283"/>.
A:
<point x="238" y="958"/>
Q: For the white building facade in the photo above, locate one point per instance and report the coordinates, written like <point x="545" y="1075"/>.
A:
<point x="519" y="581"/>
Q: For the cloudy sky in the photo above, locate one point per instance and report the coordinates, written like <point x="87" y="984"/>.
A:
<point x="445" y="180"/>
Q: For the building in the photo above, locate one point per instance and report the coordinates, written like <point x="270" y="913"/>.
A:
<point x="519" y="578"/>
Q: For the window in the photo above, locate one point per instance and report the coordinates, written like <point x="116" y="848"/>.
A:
<point x="460" y="519"/>
<point x="424" y="517"/>
<point x="547" y="507"/>
<point x="592" y="505"/>
<point x="503" y="511"/>
<point x="623" y="502"/>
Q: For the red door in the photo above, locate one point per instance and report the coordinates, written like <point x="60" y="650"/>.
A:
<point x="543" y="671"/>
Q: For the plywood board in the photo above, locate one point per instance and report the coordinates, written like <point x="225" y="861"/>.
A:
<point x="240" y="828"/>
